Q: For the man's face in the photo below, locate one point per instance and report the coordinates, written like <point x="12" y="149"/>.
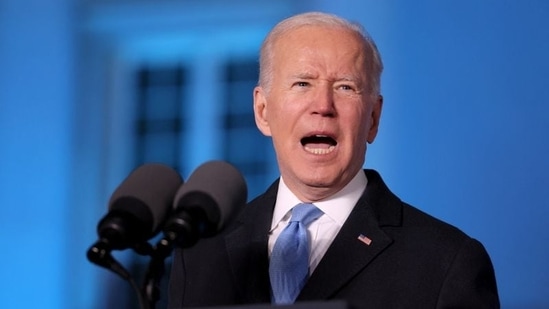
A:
<point x="318" y="109"/>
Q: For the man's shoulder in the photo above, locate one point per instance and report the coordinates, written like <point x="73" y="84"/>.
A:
<point x="409" y="219"/>
<point x="417" y="221"/>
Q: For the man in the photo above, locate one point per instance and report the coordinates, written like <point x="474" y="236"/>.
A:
<point x="319" y="99"/>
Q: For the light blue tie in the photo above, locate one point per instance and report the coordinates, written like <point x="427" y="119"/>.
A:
<point x="289" y="265"/>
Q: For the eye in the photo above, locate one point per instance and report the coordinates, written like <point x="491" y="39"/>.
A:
<point x="346" y="87"/>
<point x="301" y="84"/>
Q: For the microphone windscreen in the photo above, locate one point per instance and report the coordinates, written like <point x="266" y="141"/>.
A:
<point x="217" y="189"/>
<point x="147" y="194"/>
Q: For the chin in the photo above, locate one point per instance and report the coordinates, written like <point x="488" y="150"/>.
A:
<point x="319" y="180"/>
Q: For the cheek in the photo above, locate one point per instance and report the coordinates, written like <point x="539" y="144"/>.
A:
<point x="285" y="112"/>
<point x="357" y="126"/>
<point x="280" y="122"/>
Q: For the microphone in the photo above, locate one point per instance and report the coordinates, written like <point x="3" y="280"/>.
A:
<point x="137" y="208"/>
<point x="211" y="197"/>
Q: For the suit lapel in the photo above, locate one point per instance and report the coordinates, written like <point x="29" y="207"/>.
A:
<point x="247" y="248"/>
<point x="348" y="255"/>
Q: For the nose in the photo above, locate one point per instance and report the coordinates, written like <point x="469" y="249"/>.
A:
<point x="323" y="102"/>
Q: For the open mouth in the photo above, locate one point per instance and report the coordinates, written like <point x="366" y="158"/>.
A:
<point x="319" y="144"/>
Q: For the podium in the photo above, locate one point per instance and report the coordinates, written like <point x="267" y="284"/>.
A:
<point x="334" y="304"/>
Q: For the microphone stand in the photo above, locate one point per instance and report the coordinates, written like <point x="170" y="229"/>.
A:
<point x="100" y="254"/>
<point x="155" y="271"/>
<point x="183" y="230"/>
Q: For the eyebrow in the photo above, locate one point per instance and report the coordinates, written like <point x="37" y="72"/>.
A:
<point x="304" y="76"/>
<point x="345" y="78"/>
<point x="349" y="78"/>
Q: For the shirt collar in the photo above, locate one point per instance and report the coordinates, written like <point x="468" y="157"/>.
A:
<point x="337" y="207"/>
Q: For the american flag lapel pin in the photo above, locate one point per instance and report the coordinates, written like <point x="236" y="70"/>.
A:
<point x="364" y="239"/>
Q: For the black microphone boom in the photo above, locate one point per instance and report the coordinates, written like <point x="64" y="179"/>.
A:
<point x="213" y="194"/>
<point x="137" y="210"/>
<point x="139" y="206"/>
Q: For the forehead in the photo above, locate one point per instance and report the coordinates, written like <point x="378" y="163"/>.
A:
<point x="320" y="46"/>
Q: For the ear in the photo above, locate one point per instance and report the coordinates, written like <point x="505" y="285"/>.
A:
<point x="375" y="116"/>
<point x="260" y="111"/>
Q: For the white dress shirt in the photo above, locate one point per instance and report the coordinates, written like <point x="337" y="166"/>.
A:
<point x="322" y="231"/>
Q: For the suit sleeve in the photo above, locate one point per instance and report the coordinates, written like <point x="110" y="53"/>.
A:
<point x="470" y="281"/>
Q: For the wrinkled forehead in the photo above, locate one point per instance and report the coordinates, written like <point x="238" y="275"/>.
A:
<point x="334" y="46"/>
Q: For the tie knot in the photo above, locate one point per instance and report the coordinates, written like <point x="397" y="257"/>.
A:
<point x="305" y="213"/>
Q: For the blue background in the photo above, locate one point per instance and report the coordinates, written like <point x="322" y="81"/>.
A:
<point x="463" y="133"/>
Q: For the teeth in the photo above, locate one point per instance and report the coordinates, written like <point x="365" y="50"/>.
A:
<point x="320" y="151"/>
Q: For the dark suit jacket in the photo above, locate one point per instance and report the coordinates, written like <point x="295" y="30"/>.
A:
<point x="413" y="261"/>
